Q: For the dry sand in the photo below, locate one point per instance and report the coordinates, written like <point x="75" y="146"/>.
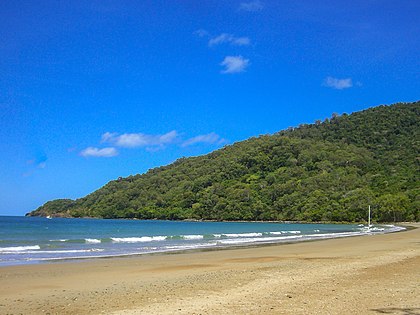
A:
<point x="377" y="274"/>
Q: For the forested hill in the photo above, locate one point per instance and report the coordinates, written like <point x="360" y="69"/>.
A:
<point x="329" y="170"/>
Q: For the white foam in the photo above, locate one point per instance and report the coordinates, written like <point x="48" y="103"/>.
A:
<point x="192" y="237"/>
<point x="92" y="241"/>
<point x="243" y="235"/>
<point x="285" y="232"/>
<point x="257" y="240"/>
<point x="376" y="229"/>
<point x="137" y="239"/>
<point x="396" y="228"/>
<point x="332" y="235"/>
<point x="60" y="240"/>
<point x="381" y="228"/>
<point x="19" y="248"/>
<point x="183" y="247"/>
<point x="67" y="251"/>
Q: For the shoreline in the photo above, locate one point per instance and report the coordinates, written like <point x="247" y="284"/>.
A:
<point x="251" y="244"/>
<point x="337" y="276"/>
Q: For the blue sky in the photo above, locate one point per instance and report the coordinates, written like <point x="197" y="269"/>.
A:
<point x="94" y="90"/>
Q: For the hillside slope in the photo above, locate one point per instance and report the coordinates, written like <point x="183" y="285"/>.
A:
<point x="329" y="171"/>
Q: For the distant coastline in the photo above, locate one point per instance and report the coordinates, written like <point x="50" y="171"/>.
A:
<point x="402" y="223"/>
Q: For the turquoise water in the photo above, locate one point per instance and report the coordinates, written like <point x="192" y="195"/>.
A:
<point x="26" y="240"/>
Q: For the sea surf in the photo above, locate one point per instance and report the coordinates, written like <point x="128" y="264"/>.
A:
<point x="29" y="240"/>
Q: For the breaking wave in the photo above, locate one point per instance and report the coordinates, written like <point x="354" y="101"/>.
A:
<point x="18" y="248"/>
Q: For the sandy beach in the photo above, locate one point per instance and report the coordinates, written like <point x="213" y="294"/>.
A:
<point x="378" y="274"/>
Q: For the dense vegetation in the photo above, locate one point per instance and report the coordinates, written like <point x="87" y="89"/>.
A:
<point x="326" y="171"/>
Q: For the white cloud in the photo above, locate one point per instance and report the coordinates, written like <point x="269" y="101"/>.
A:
<point x="40" y="162"/>
<point x="210" y="138"/>
<point x="95" y="152"/>
<point x="234" y="64"/>
<point x="338" y="84"/>
<point x="201" y="33"/>
<point x="252" y="6"/>
<point x="133" y="140"/>
<point x="229" y="38"/>
<point x="241" y="41"/>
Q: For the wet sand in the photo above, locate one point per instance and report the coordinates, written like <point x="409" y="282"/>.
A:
<point x="377" y="274"/>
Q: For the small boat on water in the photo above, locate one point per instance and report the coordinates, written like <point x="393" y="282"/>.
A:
<point x="369" y="227"/>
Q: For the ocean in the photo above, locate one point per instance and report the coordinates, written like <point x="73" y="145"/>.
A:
<point x="29" y="240"/>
